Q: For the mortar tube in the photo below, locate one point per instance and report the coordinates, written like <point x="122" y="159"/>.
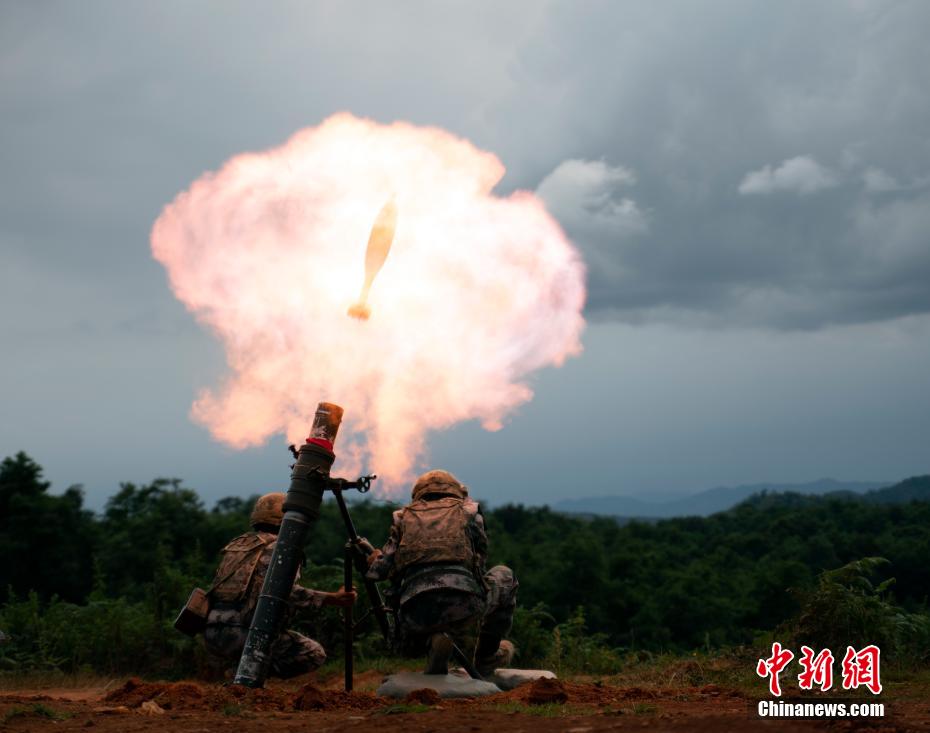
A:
<point x="301" y="510"/>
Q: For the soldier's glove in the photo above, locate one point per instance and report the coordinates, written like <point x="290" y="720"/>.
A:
<point x="364" y="546"/>
<point x="342" y="598"/>
<point x="375" y="554"/>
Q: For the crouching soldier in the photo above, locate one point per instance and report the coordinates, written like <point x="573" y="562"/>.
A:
<point x="237" y="586"/>
<point x="435" y="559"/>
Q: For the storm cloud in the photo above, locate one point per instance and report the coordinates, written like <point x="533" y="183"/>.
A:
<point x="723" y="163"/>
<point x="780" y="151"/>
<point x="726" y="168"/>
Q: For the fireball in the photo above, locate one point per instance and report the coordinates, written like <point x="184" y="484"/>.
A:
<point x="269" y="252"/>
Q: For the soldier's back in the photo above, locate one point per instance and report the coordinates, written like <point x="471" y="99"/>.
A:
<point x="242" y="567"/>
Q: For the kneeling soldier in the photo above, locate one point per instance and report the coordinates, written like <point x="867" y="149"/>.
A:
<point x="435" y="558"/>
<point x="237" y="586"/>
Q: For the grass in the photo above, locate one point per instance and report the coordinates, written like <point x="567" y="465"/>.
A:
<point x="404" y="708"/>
<point x="547" y="710"/>
<point x="333" y="668"/>
<point x="37" y="710"/>
<point x="237" y="711"/>
<point x="733" y="668"/>
<point x="637" y="708"/>
<point x="673" y="674"/>
<point x="62" y="680"/>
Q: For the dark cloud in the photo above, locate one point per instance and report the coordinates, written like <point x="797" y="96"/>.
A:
<point x="778" y="149"/>
<point x="776" y="153"/>
<point x="721" y="164"/>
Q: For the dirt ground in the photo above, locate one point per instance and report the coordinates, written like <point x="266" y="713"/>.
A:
<point x="574" y="707"/>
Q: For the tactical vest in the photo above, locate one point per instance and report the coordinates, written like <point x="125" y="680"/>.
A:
<point x="237" y="568"/>
<point x="435" y="531"/>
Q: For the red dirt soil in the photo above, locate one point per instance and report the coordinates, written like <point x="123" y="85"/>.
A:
<point x="426" y="696"/>
<point x="192" y="696"/>
<point x="545" y="706"/>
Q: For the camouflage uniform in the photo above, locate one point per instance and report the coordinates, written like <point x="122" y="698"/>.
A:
<point x="498" y="618"/>
<point x="233" y="602"/>
<point x="473" y="606"/>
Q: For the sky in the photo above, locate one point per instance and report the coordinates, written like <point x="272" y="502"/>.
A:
<point x="748" y="184"/>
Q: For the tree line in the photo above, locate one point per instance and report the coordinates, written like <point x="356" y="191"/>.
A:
<point x="80" y="589"/>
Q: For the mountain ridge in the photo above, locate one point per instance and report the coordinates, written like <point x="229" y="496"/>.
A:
<point x="709" y="501"/>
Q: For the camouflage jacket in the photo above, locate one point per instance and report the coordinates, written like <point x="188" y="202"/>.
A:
<point x="415" y="579"/>
<point x="239" y="613"/>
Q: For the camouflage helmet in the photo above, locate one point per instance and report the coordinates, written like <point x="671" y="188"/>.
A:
<point x="438" y="482"/>
<point x="269" y="509"/>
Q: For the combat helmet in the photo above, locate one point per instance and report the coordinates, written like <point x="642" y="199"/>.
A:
<point x="442" y="483"/>
<point x="268" y="510"/>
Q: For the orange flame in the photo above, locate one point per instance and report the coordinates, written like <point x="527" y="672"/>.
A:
<point x="478" y="290"/>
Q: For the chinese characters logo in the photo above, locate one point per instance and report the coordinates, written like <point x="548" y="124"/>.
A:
<point x="859" y="668"/>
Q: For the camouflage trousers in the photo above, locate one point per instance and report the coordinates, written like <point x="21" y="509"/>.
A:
<point x="498" y="618"/>
<point x="476" y="623"/>
<point x="292" y="654"/>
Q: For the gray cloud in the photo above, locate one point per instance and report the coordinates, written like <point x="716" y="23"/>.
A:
<point x="113" y="108"/>
<point x="878" y="181"/>
<point x="637" y="122"/>
<point x="801" y="174"/>
<point x="817" y="110"/>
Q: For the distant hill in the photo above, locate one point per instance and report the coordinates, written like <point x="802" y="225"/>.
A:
<point x="916" y="488"/>
<point x="714" y="500"/>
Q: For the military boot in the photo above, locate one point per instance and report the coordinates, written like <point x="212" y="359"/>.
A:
<point x="501" y="658"/>
<point x="440" y="651"/>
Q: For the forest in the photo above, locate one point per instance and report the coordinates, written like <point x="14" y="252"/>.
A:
<point x="86" y="591"/>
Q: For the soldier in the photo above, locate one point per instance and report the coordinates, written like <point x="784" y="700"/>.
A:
<point x="435" y="558"/>
<point x="236" y="588"/>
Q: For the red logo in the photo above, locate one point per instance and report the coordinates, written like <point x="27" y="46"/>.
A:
<point x="773" y="666"/>
<point x="816" y="670"/>
<point x="859" y="668"/>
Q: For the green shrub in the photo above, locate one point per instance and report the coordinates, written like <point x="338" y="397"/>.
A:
<point x="106" y="635"/>
<point x="846" y="608"/>
<point x="530" y="634"/>
<point x="575" y="649"/>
